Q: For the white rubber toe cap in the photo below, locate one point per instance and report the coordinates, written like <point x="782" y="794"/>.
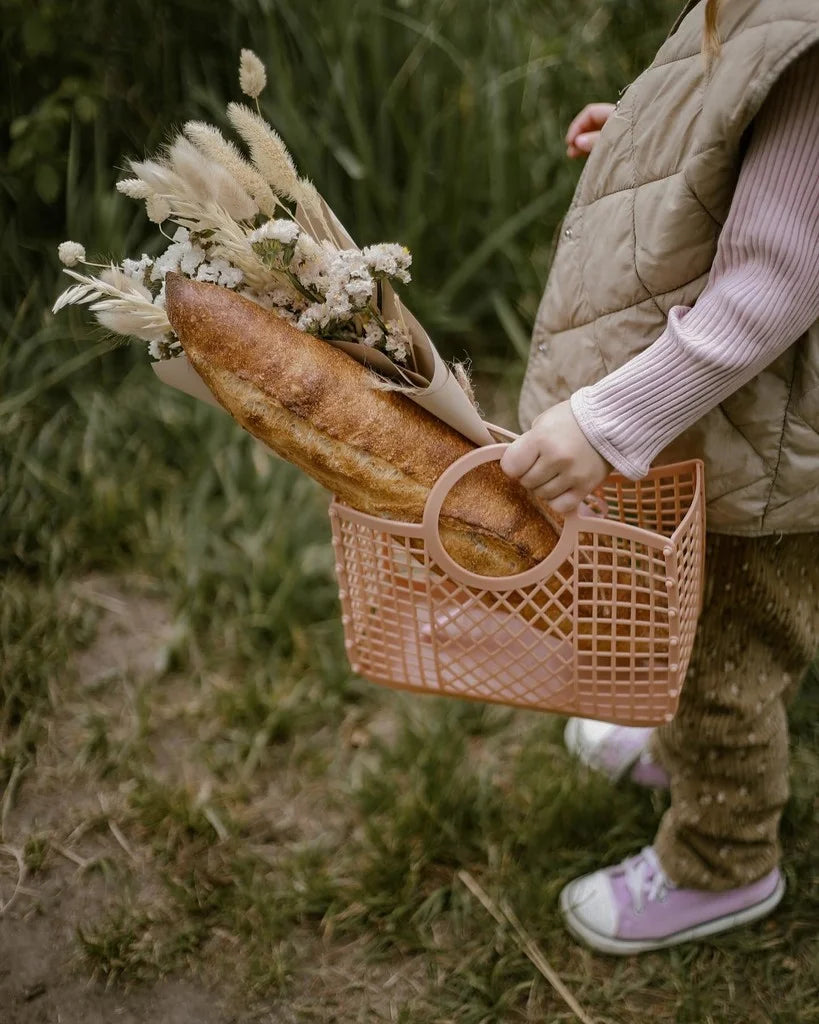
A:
<point x="590" y="902"/>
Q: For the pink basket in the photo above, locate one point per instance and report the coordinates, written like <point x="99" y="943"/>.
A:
<point x="602" y="628"/>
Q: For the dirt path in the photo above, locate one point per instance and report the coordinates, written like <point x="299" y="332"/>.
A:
<point x="65" y="864"/>
<point x="42" y="980"/>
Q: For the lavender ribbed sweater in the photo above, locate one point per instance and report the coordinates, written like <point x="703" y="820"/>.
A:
<point x="762" y="292"/>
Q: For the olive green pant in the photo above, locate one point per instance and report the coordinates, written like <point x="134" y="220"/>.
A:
<point x="727" y="748"/>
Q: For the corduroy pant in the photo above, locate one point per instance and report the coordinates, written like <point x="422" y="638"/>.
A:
<point x="727" y="748"/>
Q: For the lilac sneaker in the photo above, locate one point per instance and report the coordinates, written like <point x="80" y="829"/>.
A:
<point x="616" y="751"/>
<point x="633" y="907"/>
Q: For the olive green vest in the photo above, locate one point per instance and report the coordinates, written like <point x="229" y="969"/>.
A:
<point x="640" y="237"/>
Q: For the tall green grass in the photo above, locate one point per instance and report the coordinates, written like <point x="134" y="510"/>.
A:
<point x="433" y="122"/>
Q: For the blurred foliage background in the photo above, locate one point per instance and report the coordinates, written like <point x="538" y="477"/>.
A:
<point x="438" y="123"/>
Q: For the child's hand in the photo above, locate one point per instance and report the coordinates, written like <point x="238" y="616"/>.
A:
<point x="555" y="461"/>
<point x="584" y="131"/>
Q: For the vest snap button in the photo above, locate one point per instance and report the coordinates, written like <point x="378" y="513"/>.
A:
<point x="568" y="232"/>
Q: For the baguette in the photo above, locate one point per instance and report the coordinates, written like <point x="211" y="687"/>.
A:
<point x="380" y="452"/>
<point x="377" y="451"/>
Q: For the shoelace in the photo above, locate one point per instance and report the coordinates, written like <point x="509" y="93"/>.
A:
<point x="645" y="879"/>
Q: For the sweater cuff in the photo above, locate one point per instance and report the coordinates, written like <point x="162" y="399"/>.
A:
<point x="584" y="414"/>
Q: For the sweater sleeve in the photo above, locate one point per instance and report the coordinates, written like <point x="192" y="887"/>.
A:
<point x="762" y="292"/>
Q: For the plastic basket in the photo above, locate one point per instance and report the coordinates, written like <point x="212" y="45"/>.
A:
<point x="602" y="628"/>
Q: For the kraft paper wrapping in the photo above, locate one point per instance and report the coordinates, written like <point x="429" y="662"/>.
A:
<point x="430" y="383"/>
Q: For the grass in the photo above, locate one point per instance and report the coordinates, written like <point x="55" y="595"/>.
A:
<point x="179" y="727"/>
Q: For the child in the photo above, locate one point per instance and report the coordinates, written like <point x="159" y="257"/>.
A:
<point x="681" y="319"/>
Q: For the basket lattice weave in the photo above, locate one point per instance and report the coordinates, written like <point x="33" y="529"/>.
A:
<point x="602" y="628"/>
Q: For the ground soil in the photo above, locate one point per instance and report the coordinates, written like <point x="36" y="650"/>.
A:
<point x="42" y="977"/>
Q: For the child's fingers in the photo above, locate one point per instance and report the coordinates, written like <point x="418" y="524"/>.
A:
<point x="540" y="473"/>
<point x="560" y="494"/>
<point x="565" y="503"/>
<point x="585" y="141"/>
<point x="520" y="456"/>
<point x="579" y="124"/>
<point x="552" y="489"/>
<point x="582" y="145"/>
<point x="591" y="118"/>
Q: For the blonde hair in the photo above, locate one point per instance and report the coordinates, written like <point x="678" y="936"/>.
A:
<point x="710" y="35"/>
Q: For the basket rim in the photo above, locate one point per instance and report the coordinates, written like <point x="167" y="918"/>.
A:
<point x="573" y="524"/>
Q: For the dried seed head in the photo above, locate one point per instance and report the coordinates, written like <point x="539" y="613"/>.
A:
<point x="252" y="75"/>
<point x="71" y="253"/>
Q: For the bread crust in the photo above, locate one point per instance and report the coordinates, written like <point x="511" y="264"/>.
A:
<point x="376" y="450"/>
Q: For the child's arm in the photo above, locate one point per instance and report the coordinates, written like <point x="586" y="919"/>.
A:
<point x="761" y="295"/>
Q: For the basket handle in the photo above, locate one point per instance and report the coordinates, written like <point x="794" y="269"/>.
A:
<point x="432" y="510"/>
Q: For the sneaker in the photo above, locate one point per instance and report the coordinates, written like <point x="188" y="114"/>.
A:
<point x="615" y="750"/>
<point x="633" y="907"/>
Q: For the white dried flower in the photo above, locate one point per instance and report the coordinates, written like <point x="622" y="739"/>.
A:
<point x="231" y="278"/>
<point x="136" y="268"/>
<point x="308" y="249"/>
<point x="350" y="284"/>
<point x="119" y="321"/>
<point x="397" y="348"/>
<point x="360" y="291"/>
<point x="311" y="261"/>
<point x="373" y="335"/>
<point x="278" y="230"/>
<point x="288" y="309"/>
<point x="165" y="348"/>
<point x="252" y="75"/>
<point x="389" y="259"/>
<point x="279" y="298"/>
<point x="170" y="259"/>
<point x="350" y="263"/>
<point x="71" y="253"/>
<point x="313" y="318"/>
<point x="338" y="306"/>
<point x="209" y="272"/>
<point x="398" y="341"/>
<point x="191" y="258"/>
<point x="312" y="205"/>
<point x="219" y="271"/>
<point x="158" y="209"/>
<point x="134" y="188"/>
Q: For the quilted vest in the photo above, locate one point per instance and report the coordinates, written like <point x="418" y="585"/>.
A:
<point x="640" y="237"/>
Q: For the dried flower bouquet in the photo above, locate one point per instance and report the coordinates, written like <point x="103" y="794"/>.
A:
<point x="250" y="224"/>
